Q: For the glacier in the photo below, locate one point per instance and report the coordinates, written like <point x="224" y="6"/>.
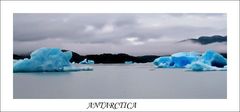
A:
<point x="208" y="61"/>
<point x="46" y="60"/>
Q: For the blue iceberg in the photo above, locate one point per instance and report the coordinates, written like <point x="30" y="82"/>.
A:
<point x="86" y="61"/>
<point x="91" y="62"/>
<point x="163" y="62"/>
<point x="177" y="60"/>
<point x="128" y="62"/>
<point x="73" y="68"/>
<point x="180" y="60"/>
<point x="46" y="60"/>
<point x="213" y="58"/>
<point x="83" y="61"/>
<point x="208" y="61"/>
<point x="200" y="66"/>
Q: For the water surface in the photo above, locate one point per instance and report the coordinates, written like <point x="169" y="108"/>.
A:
<point x="125" y="81"/>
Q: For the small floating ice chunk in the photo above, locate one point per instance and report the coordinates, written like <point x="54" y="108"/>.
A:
<point x="86" y="61"/>
<point x="128" y="62"/>
<point x="91" y="62"/>
<point x="83" y="61"/>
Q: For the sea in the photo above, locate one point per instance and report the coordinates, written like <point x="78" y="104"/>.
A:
<point x="121" y="81"/>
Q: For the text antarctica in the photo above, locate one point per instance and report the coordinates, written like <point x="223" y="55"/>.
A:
<point x="112" y="105"/>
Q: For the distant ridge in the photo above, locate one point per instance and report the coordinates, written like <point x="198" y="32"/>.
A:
<point x="103" y="58"/>
<point x="108" y="58"/>
<point x="204" y="40"/>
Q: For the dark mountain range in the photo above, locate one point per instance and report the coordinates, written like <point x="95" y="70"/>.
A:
<point x="20" y="56"/>
<point x="103" y="58"/>
<point x="112" y="58"/>
<point x="107" y="58"/>
<point x="203" y="40"/>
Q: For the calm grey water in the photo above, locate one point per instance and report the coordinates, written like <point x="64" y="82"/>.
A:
<point x="122" y="81"/>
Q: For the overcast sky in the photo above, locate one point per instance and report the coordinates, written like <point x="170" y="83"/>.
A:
<point x="135" y="34"/>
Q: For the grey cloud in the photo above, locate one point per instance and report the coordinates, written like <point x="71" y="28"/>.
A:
<point x="72" y="29"/>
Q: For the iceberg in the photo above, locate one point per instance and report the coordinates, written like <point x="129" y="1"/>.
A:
<point x="128" y="62"/>
<point x="91" y="62"/>
<point x="199" y="66"/>
<point x="163" y="62"/>
<point x="86" y="61"/>
<point x="46" y="60"/>
<point x="83" y="62"/>
<point x="208" y="61"/>
<point x="73" y="68"/>
<point x="213" y="58"/>
<point x="181" y="59"/>
<point x="177" y="60"/>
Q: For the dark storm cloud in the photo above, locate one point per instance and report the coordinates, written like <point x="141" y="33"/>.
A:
<point x="72" y="30"/>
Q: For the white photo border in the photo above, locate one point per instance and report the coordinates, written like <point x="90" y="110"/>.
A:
<point x="231" y="8"/>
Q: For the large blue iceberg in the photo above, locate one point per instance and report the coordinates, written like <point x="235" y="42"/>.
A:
<point x="163" y="62"/>
<point x="177" y="60"/>
<point x="180" y="60"/>
<point x="213" y="58"/>
<point x="46" y="60"/>
<point x="208" y="61"/>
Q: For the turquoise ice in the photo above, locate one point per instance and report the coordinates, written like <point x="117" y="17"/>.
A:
<point x="163" y="62"/>
<point x="199" y="66"/>
<point x="213" y="58"/>
<point x="177" y="60"/>
<point x="46" y="60"/>
<point x="128" y="62"/>
<point x="180" y="60"/>
<point x="86" y="61"/>
<point x="208" y="61"/>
